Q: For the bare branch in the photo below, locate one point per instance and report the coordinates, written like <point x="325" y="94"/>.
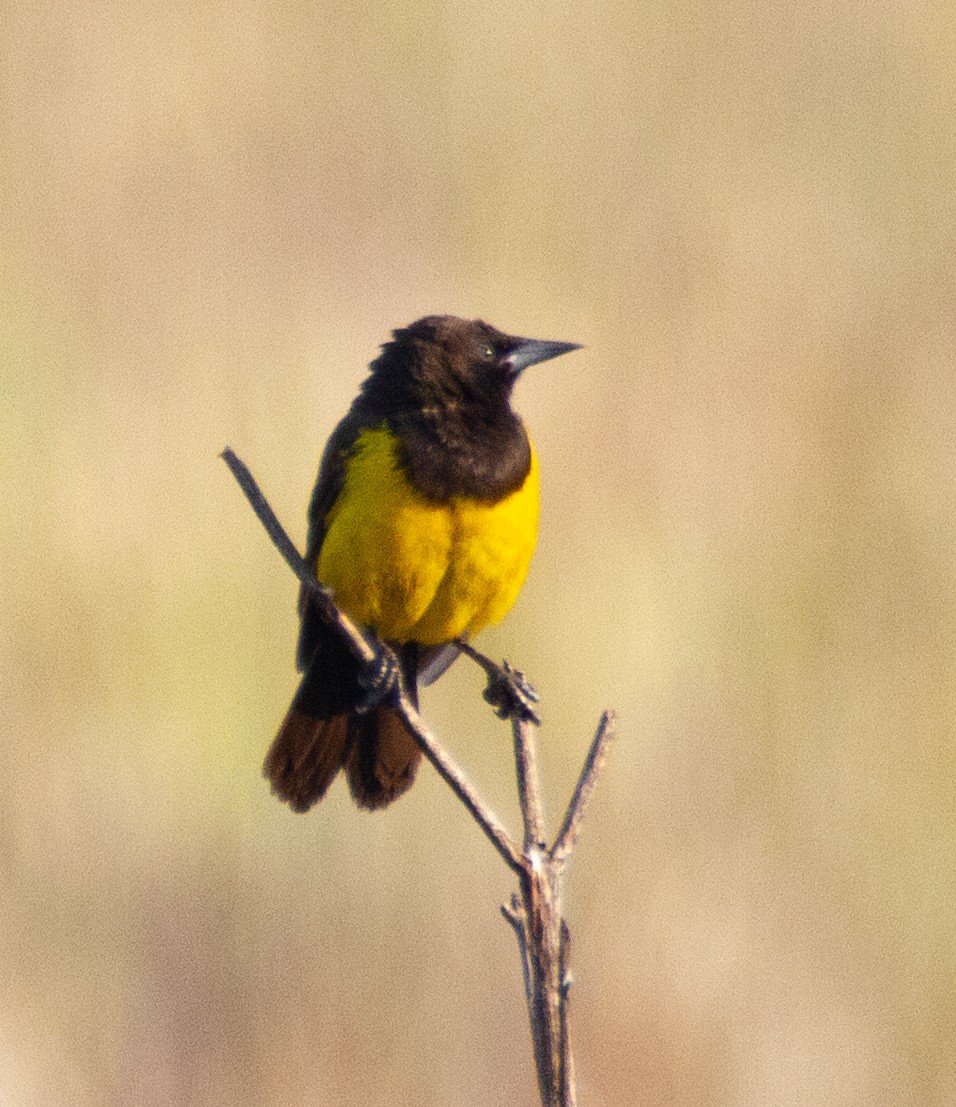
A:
<point x="536" y="915"/>
<point x="517" y="917"/>
<point x="568" y="1089"/>
<point x="453" y="776"/>
<point x="571" y="827"/>
<point x="529" y="787"/>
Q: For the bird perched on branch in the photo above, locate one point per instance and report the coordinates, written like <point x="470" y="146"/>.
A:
<point x="422" y="524"/>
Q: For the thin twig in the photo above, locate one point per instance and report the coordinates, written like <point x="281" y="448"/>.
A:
<point x="540" y="936"/>
<point x="529" y="788"/>
<point x="453" y="776"/>
<point x="571" y="827"/>
<point x="568" y="1090"/>
<point x="517" y="917"/>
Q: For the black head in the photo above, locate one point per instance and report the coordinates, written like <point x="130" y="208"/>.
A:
<point x="443" y="386"/>
<point x="444" y="360"/>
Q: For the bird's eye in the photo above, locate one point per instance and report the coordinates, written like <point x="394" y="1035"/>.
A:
<point x="488" y="353"/>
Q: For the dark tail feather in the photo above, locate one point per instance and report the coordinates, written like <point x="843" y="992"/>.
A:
<point x="305" y="756"/>
<point x="383" y="756"/>
<point x="382" y="759"/>
<point x="322" y="733"/>
<point x="312" y="743"/>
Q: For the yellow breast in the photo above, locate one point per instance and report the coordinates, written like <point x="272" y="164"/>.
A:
<point x="414" y="570"/>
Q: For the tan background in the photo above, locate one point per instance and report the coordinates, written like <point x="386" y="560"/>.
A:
<point x="211" y="216"/>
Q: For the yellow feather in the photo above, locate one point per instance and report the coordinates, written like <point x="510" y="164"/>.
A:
<point x="414" y="570"/>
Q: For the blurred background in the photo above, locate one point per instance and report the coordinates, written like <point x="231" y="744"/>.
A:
<point x="211" y="217"/>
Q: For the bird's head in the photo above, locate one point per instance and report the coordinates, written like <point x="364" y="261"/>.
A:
<point x="442" y="359"/>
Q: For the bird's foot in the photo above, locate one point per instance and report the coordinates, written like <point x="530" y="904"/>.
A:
<point x="511" y="694"/>
<point x="378" y="678"/>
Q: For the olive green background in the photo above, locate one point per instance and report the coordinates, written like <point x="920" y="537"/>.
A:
<point x="211" y="216"/>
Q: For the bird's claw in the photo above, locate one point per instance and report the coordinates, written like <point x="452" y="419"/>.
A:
<point x="512" y="695"/>
<point x="378" y="679"/>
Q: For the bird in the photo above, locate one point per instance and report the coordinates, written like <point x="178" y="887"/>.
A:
<point x="422" y="524"/>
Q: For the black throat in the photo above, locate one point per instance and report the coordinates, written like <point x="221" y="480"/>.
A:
<point x="443" y="388"/>
<point x="446" y="452"/>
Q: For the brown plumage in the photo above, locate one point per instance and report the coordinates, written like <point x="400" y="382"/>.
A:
<point x="322" y="733"/>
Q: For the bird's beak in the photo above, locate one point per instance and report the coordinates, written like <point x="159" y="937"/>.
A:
<point x="529" y="351"/>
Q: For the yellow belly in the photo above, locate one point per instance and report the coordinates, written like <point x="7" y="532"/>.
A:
<point x="418" y="571"/>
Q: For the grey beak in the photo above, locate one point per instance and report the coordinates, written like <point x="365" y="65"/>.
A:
<point x="529" y="351"/>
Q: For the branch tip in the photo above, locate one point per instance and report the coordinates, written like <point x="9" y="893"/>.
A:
<point x="590" y="771"/>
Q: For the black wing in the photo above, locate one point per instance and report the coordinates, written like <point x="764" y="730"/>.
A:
<point x="328" y="485"/>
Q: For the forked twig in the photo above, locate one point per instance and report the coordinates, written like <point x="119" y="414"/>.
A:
<point x="536" y="915"/>
<point x="567" y="836"/>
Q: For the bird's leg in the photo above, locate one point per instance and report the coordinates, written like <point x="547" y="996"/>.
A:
<point x="509" y="691"/>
